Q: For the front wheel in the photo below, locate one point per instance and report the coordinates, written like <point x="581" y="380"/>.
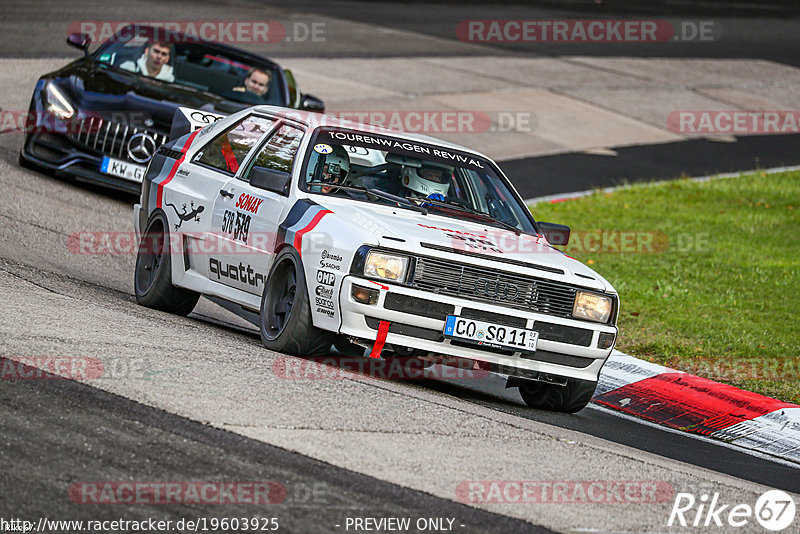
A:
<point x="152" y="279"/>
<point x="286" y="324"/>
<point x="569" y="398"/>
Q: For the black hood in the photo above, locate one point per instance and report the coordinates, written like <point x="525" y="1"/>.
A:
<point x="96" y="89"/>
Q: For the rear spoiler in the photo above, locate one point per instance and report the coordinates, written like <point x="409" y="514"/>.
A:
<point x="187" y="120"/>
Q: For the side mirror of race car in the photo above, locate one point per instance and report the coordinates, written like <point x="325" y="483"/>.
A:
<point x="556" y="234"/>
<point x="81" y="41"/>
<point x="312" y="103"/>
<point x="270" y="180"/>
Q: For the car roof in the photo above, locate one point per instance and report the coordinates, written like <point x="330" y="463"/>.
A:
<point x="315" y="120"/>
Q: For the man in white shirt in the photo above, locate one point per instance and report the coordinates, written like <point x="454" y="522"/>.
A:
<point x="153" y="63"/>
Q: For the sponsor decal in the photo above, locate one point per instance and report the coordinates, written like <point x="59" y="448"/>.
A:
<point x="237" y="224"/>
<point x="326" y="311"/>
<point x="243" y="273"/>
<point x="324" y="292"/>
<point x="187" y="214"/>
<point x="322" y="148"/>
<point x="323" y="303"/>
<point x="330" y="261"/>
<point x="249" y="203"/>
<point x="158" y="192"/>
<point x="326" y="278"/>
<point x="205" y="118"/>
<point x="406" y="147"/>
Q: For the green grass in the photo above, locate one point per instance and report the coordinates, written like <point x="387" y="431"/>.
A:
<point x="719" y="296"/>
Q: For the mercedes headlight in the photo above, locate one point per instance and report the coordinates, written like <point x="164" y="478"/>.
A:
<point x="58" y="104"/>
<point x="592" y="307"/>
<point x="386" y="266"/>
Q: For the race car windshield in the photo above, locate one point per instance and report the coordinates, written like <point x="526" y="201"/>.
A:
<point x="195" y="65"/>
<point x="444" y="181"/>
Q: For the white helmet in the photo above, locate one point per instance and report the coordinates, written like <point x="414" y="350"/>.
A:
<point x="336" y="166"/>
<point x="428" y="179"/>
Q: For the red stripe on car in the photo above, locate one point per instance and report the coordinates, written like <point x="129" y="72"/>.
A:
<point x="171" y="175"/>
<point x="689" y="403"/>
<point x="298" y="236"/>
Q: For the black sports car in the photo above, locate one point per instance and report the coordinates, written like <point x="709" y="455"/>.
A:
<point x="102" y="117"/>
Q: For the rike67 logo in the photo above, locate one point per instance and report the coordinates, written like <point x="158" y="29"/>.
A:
<point x="774" y="510"/>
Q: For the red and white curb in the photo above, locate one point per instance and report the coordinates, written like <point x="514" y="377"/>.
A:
<point x="696" y="405"/>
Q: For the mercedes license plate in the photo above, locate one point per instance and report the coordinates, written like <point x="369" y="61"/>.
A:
<point x="490" y="334"/>
<point x="122" y="169"/>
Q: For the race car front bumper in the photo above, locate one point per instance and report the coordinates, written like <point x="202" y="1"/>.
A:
<point x="566" y="347"/>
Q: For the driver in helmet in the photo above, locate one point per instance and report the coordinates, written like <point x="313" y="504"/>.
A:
<point x="431" y="180"/>
<point x="335" y="168"/>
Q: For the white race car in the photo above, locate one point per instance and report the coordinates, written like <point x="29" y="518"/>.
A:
<point x="349" y="234"/>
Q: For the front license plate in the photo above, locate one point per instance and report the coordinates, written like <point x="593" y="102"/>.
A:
<point x="490" y="334"/>
<point x="122" y="169"/>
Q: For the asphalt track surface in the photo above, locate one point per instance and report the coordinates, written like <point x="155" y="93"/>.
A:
<point x="55" y="432"/>
<point x="318" y="497"/>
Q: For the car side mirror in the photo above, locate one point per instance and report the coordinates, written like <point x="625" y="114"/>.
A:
<point x="312" y="103"/>
<point x="270" y="180"/>
<point x="556" y="234"/>
<point x="81" y="41"/>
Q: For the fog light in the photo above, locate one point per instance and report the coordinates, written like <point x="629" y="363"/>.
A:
<point x="365" y="295"/>
<point x="606" y="340"/>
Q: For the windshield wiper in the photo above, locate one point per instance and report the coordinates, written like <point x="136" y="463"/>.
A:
<point x="466" y="209"/>
<point x="378" y="194"/>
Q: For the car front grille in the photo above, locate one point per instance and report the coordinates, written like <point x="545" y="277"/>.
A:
<point x="482" y="284"/>
<point x="109" y="137"/>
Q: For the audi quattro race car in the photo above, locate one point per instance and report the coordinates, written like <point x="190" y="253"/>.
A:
<point x="405" y="245"/>
<point x="100" y="119"/>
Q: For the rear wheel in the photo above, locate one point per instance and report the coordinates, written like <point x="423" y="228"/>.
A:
<point x="570" y="398"/>
<point x="153" y="274"/>
<point x="286" y="324"/>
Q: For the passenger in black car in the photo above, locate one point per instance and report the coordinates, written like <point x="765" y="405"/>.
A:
<point x="153" y="63"/>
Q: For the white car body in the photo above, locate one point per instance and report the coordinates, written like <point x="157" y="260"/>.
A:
<point x="331" y="232"/>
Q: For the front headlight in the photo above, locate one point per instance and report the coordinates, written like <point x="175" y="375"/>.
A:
<point x="57" y="103"/>
<point x="386" y="266"/>
<point x="592" y="307"/>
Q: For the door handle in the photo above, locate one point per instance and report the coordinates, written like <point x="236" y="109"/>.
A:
<point x="225" y="193"/>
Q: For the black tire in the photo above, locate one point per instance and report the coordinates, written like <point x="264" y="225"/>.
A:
<point x="286" y="324"/>
<point x="152" y="278"/>
<point x="570" y="398"/>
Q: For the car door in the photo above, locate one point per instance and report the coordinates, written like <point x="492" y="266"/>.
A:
<point x="246" y="217"/>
